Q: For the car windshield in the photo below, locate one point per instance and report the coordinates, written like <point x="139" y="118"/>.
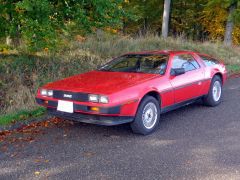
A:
<point x="154" y="64"/>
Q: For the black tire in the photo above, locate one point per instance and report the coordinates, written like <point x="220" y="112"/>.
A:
<point x="138" y="125"/>
<point x="209" y="100"/>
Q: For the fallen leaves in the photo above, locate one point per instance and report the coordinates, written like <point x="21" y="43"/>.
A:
<point x="3" y="133"/>
<point x="37" y="173"/>
<point x="14" y="154"/>
<point x="31" y="129"/>
<point x="41" y="160"/>
<point x="37" y="160"/>
<point x="89" y="154"/>
<point x="28" y="134"/>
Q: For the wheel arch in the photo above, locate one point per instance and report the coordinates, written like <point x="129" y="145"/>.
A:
<point x="154" y="94"/>
<point x="219" y="74"/>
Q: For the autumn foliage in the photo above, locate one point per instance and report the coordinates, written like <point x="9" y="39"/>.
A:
<point x="46" y="24"/>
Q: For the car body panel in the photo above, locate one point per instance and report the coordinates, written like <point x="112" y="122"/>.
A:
<point x="126" y="90"/>
<point x="98" y="82"/>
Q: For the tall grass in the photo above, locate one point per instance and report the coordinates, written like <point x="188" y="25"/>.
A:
<point x="109" y="46"/>
<point x="22" y="73"/>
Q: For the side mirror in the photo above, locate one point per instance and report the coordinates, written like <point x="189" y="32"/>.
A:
<point x="177" y="71"/>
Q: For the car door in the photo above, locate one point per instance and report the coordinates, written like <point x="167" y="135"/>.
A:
<point x="188" y="85"/>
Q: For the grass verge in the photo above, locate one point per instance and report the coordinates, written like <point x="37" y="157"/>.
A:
<point x="21" y="115"/>
<point x="233" y="68"/>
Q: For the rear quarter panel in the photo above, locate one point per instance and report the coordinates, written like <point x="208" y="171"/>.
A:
<point x="211" y="71"/>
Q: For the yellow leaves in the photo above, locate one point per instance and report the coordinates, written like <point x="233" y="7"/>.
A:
<point x="37" y="160"/>
<point x="5" y="51"/>
<point x="111" y="30"/>
<point x="51" y="17"/>
<point x="89" y="154"/>
<point x="18" y="10"/>
<point x="236" y="35"/>
<point x="46" y="49"/>
<point x="213" y="21"/>
<point x="41" y="160"/>
<point x="80" y="38"/>
<point x="114" y="31"/>
<point x="37" y="173"/>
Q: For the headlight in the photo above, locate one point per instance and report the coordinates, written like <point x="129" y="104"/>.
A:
<point x="97" y="98"/>
<point x="50" y="92"/>
<point x="45" y="92"/>
<point x="93" y="97"/>
<point x="103" y="99"/>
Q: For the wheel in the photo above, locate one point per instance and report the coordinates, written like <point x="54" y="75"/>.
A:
<point x="147" y="116"/>
<point x="214" y="96"/>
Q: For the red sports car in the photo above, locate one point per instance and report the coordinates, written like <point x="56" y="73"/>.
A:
<point x="136" y="88"/>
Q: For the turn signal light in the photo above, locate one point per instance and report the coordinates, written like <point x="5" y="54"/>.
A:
<point x="94" y="109"/>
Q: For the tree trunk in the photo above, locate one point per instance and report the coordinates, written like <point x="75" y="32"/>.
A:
<point x="8" y="41"/>
<point x="165" y="21"/>
<point x="229" y="27"/>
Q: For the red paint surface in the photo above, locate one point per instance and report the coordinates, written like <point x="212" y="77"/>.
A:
<point x="100" y="82"/>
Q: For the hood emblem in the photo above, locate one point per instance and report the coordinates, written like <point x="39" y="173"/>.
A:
<point x="67" y="95"/>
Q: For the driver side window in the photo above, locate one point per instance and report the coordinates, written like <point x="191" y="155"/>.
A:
<point x="185" y="61"/>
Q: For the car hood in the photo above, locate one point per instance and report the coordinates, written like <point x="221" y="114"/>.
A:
<point x="100" y="82"/>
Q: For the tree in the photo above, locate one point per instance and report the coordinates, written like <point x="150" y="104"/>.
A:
<point x="232" y="18"/>
<point x="230" y="23"/>
<point x="144" y="16"/>
<point x="8" y="21"/>
<point x="41" y="23"/>
<point x="165" y="21"/>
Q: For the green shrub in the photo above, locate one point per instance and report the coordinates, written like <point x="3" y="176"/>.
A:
<point x="4" y="47"/>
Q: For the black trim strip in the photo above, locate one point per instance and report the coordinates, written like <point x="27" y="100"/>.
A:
<point x="178" y="105"/>
<point x="67" y="95"/>
<point x="183" y="86"/>
<point x="111" y="110"/>
<point x="53" y="103"/>
<point x="39" y="101"/>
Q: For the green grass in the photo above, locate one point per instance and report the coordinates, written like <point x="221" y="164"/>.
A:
<point x="21" y="115"/>
<point x="233" y="68"/>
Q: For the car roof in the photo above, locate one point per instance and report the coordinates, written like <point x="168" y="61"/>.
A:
<point x="162" y="52"/>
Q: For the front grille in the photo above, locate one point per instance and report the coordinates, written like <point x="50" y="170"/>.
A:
<point x="74" y="96"/>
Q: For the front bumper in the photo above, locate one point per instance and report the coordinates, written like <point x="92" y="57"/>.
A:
<point x="92" y="119"/>
<point x="106" y="116"/>
<point x="115" y="110"/>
